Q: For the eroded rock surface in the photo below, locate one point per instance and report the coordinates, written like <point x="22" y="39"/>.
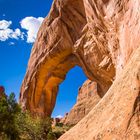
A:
<point x="117" y="115"/>
<point x="102" y="37"/>
<point x="87" y="98"/>
<point x="66" y="38"/>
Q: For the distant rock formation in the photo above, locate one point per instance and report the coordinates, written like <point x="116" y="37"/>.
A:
<point x="102" y="37"/>
<point x="87" y="98"/>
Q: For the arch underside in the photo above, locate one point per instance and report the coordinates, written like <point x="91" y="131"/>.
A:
<point x="61" y="44"/>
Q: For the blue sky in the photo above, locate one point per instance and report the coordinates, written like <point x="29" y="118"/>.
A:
<point x="19" y="21"/>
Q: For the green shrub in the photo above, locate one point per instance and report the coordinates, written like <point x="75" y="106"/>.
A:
<point x="18" y="125"/>
<point x="60" y="129"/>
<point x="8" y="110"/>
<point x="33" y="128"/>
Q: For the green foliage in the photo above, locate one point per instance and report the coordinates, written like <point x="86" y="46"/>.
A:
<point x="18" y="125"/>
<point x="51" y="136"/>
<point x="8" y="110"/>
<point x="33" y="128"/>
<point x="60" y="129"/>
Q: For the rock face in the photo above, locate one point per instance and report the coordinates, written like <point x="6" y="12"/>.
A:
<point x="66" y="38"/>
<point x="117" y="115"/>
<point x="102" y="37"/>
<point x="87" y="98"/>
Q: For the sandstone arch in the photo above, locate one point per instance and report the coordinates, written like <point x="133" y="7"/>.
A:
<point x="60" y="45"/>
<point x="103" y="38"/>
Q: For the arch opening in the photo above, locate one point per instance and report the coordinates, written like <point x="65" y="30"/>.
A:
<point x="68" y="91"/>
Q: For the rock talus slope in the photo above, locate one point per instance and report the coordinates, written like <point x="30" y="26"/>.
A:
<point x="102" y="37"/>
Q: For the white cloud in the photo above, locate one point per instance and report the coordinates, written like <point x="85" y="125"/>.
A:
<point x="6" y="32"/>
<point x="17" y="33"/>
<point x="59" y="116"/>
<point x="31" y="24"/>
<point x="4" y="24"/>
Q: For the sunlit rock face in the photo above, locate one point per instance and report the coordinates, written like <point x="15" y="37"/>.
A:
<point x="65" y="39"/>
<point x="87" y="98"/>
<point x="117" y="114"/>
<point x="102" y="37"/>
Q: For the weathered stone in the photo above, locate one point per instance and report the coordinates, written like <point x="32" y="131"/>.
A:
<point x="65" y="39"/>
<point x="102" y="37"/>
<point x="117" y="115"/>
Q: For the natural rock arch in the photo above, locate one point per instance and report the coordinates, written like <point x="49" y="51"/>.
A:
<point x="103" y="38"/>
<point x="65" y="40"/>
